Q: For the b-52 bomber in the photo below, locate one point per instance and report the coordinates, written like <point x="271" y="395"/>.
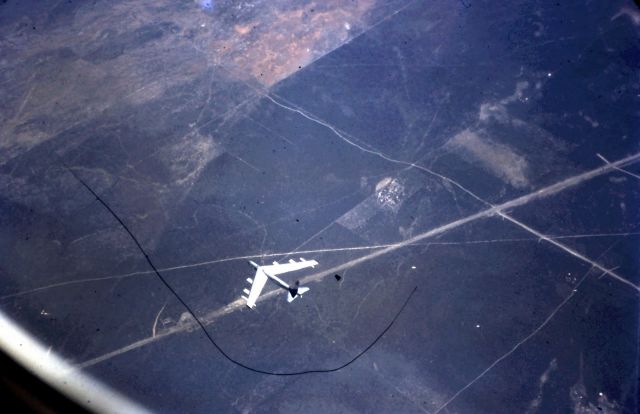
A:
<point x="263" y="273"/>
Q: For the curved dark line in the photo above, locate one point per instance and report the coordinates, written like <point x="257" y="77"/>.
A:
<point x="201" y="325"/>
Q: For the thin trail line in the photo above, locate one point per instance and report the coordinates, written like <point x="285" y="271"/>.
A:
<point x="300" y="252"/>
<point x="155" y="322"/>
<point x="619" y="169"/>
<point x="351" y="142"/>
<point x="525" y="339"/>
<point x="572" y="252"/>
<point x="253" y="167"/>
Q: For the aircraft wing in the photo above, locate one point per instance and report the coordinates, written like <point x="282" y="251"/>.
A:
<point x="278" y="268"/>
<point x="259" y="280"/>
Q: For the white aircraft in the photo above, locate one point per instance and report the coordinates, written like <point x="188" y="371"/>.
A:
<point x="269" y="272"/>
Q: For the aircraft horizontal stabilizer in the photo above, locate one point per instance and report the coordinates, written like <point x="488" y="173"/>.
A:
<point x="299" y="292"/>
